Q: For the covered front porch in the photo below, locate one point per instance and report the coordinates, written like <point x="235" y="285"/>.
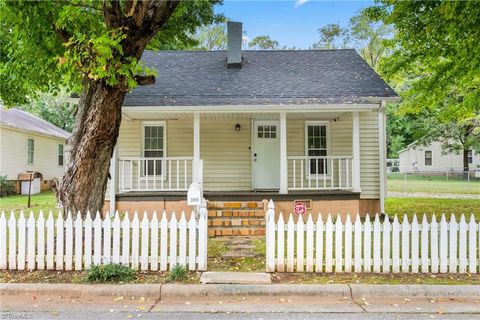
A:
<point x="279" y="150"/>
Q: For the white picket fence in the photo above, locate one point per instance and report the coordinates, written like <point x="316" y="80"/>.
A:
<point x="76" y="244"/>
<point x="427" y="247"/>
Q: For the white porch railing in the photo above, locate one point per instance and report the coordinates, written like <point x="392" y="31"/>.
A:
<point x="320" y="173"/>
<point x="154" y="174"/>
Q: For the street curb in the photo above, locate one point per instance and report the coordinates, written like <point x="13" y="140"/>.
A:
<point x="189" y="290"/>
<point x="79" y="290"/>
<point x="157" y="291"/>
<point x="382" y="290"/>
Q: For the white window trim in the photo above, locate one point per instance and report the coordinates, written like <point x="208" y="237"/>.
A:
<point x="327" y="125"/>
<point x="425" y="158"/>
<point x="154" y="123"/>
<point x="33" y="155"/>
<point x="63" y="154"/>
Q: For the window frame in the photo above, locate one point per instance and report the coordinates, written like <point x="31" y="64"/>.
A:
<point x="33" y="151"/>
<point x="60" y="155"/>
<point x="470" y="157"/>
<point x="325" y="123"/>
<point x="425" y="158"/>
<point x="158" y="123"/>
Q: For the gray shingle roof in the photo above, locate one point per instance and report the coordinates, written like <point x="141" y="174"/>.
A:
<point x="190" y="78"/>
<point x="20" y="119"/>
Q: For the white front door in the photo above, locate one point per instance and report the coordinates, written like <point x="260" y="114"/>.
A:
<point x="266" y="155"/>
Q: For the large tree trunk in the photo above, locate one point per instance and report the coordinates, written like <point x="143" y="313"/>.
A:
<point x="90" y="148"/>
<point x="465" y="163"/>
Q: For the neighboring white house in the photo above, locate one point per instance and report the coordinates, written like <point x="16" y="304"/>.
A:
<point x="28" y="143"/>
<point x="288" y="125"/>
<point x="415" y="158"/>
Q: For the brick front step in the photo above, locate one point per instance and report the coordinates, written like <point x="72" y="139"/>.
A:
<point x="235" y="205"/>
<point x="219" y="222"/>
<point x="229" y="231"/>
<point x="236" y="213"/>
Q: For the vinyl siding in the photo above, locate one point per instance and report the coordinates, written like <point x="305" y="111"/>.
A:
<point x="13" y="154"/>
<point x="369" y="156"/>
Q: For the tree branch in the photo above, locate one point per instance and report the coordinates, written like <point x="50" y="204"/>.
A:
<point x="145" y="80"/>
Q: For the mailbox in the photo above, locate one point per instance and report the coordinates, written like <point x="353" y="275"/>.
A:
<point x="194" y="195"/>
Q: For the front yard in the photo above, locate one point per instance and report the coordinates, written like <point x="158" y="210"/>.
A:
<point x="44" y="201"/>
<point x="398" y="182"/>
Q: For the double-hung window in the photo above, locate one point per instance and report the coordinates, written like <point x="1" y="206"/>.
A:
<point x="30" y="150"/>
<point x="316" y="142"/>
<point x="470" y="156"/>
<point x="153" y="147"/>
<point x="60" y="154"/>
<point x="428" y="158"/>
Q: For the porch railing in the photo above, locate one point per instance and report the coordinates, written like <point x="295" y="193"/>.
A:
<point x="154" y="174"/>
<point x="320" y="173"/>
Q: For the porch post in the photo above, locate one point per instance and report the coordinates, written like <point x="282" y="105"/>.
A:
<point x="113" y="180"/>
<point x="382" y="151"/>
<point x="283" y="154"/>
<point x="196" y="147"/>
<point x="356" y="152"/>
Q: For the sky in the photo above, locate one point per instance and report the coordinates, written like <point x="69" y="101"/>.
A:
<point x="293" y="23"/>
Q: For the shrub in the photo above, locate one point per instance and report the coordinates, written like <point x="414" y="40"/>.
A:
<point x="6" y="187"/>
<point x="178" y="273"/>
<point x="110" y="273"/>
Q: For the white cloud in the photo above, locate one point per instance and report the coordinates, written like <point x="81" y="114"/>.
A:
<point x="299" y="3"/>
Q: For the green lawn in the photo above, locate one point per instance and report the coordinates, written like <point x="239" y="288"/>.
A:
<point x="432" y="184"/>
<point x="44" y="201"/>
<point x="430" y="206"/>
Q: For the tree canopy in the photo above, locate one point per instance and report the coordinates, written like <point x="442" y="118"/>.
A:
<point x="263" y="43"/>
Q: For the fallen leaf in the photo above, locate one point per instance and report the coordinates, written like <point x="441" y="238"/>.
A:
<point x="188" y="302"/>
<point x="111" y="310"/>
<point x="142" y="299"/>
<point x="118" y="299"/>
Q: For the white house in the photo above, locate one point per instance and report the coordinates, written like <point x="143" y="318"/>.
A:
<point x="28" y="143"/>
<point x="288" y="125"/>
<point x="431" y="158"/>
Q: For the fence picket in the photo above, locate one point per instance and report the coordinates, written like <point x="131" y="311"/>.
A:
<point x="12" y="242"/>
<point x="126" y="240"/>
<point x="462" y="245"/>
<point x="69" y="242"/>
<point x="472" y="245"/>
<point x="21" y="242"/>
<point x="434" y="245"/>
<point x="319" y="244"/>
<point x="31" y="252"/>
<point x="192" y="242"/>
<point x="59" y="242"/>
<point x="329" y="244"/>
<point x="367" y="244"/>
<point x="41" y="241"/>
<point x="97" y="240"/>
<point x="88" y="224"/>
<point x="377" y="244"/>
<point x="50" y="242"/>
<point x="415" y="244"/>
<point x="270" y="237"/>
<point x="154" y="242"/>
<point x="173" y="241"/>
<point x="135" y="241"/>
<point x="338" y="244"/>
<point x="290" y="243"/>
<point x="116" y="238"/>
<point x="395" y="245"/>
<point x="144" y="243"/>
<point x="348" y="244"/>
<point x="405" y="245"/>
<point x="202" y="238"/>
<point x="163" y="242"/>
<point x="386" y="250"/>
<point x="443" y="248"/>
<point x="107" y="239"/>
<point x="357" y="242"/>
<point x="78" y="242"/>
<point x="424" y="245"/>
<point x="309" y="267"/>
<point x="452" y="252"/>
<point x="300" y="244"/>
<point x="182" y="250"/>
<point x="281" y="244"/>
<point x="3" y="241"/>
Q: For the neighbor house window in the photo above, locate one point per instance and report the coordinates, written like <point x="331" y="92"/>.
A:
<point x="153" y="147"/>
<point x="60" y="154"/>
<point x="316" y="136"/>
<point x="428" y="158"/>
<point x="470" y="156"/>
<point x="30" y="150"/>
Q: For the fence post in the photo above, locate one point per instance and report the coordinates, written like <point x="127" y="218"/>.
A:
<point x="270" y="237"/>
<point x="202" y="237"/>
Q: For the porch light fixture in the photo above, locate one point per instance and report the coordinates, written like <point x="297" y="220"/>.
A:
<point x="237" y="127"/>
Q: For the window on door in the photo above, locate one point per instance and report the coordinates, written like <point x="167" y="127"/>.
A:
<point x="153" y="147"/>
<point x="317" y="147"/>
<point x="267" y="131"/>
<point x="428" y="158"/>
<point x="30" y="150"/>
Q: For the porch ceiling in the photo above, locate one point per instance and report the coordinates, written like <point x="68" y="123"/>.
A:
<point x="156" y="115"/>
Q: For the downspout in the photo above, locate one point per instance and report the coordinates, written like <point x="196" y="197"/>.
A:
<point x="382" y="146"/>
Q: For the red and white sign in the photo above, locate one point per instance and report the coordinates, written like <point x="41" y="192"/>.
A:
<point x="300" y="208"/>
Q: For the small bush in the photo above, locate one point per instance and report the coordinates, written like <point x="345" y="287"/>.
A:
<point x="178" y="273"/>
<point x="110" y="273"/>
<point x="6" y="187"/>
